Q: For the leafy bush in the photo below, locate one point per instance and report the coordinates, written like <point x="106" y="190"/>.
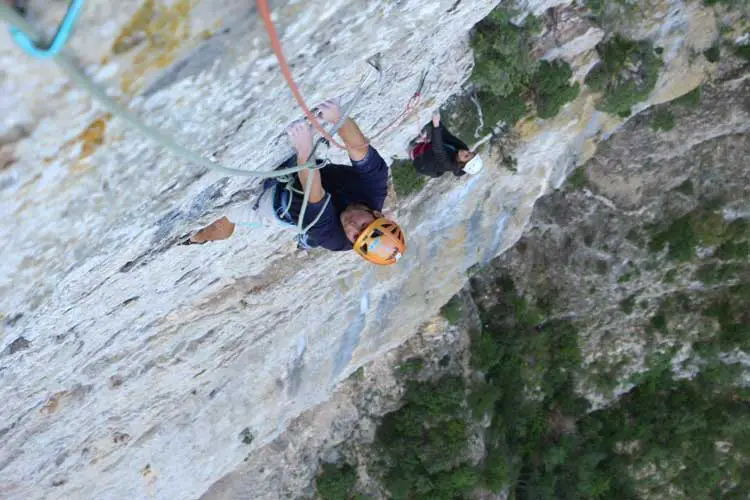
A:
<point x="496" y="109"/>
<point x="411" y="366"/>
<point x="686" y="188"/>
<point x="552" y="87"/>
<point x="452" y="310"/>
<point x="713" y="54"/>
<point x="422" y="444"/>
<point x="507" y="75"/>
<point x="578" y="178"/>
<point x="502" y="52"/>
<point x="703" y="227"/>
<point x="628" y="304"/>
<point x="626" y="74"/>
<point x="336" y="482"/>
<point x="662" y="119"/>
<point x="691" y="100"/>
<point x="406" y="180"/>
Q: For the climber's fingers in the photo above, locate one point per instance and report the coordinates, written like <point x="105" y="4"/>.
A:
<point x="329" y="110"/>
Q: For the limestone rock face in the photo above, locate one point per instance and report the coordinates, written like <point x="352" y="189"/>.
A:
<point x="152" y="370"/>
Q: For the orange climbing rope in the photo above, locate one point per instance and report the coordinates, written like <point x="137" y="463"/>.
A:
<point x="265" y="13"/>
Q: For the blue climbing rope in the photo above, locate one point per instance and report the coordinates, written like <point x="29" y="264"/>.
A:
<point x="58" y="42"/>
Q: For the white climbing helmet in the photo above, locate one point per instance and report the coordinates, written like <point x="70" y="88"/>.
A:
<point x="474" y="165"/>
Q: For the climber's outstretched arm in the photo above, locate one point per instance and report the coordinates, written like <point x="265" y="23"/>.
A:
<point x="301" y="136"/>
<point x="353" y="138"/>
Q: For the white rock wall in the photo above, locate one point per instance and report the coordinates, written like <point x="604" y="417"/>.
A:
<point x="148" y="359"/>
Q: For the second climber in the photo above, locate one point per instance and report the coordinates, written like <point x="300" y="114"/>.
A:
<point x="437" y="151"/>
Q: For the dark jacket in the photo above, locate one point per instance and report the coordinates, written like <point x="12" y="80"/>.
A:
<point x="441" y="156"/>
<point x="365" y="182"/>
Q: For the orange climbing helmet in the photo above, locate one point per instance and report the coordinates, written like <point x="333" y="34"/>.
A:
<point x="382" y="242"/>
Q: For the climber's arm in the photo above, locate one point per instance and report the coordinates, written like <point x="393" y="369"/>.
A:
<point x="316" y="191"/>
<point x="353" y="138"/>
<point x="300" y="134"/>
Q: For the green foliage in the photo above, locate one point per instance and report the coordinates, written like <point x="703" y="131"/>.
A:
<point x="676" y="422"/>
<point x="542" y="443"/>
<point x="743" y="51"/>
<point x="502" y="53"/>
<point x="686" y="188"/>
<point x="553" y="89"/>
<point x="518" y="350"/>
<point x="336" y="482"/>
<point x="691" y="100"/>
<point x="595" y="6"/>
<point x="628" y="275"/>
<point x="714" y="273"/>
<point x="680" y="237"/>
<point x="506" y="73"/>
<point x="626" y="74"/>
<point x="728" y="3"/>
<point x="662" y="119"/>
<point x="703" y="227"/>
<point x="731" y="312"/>
<point x="422" y="444"/>
<point x="659" y="321"/>
<point x="627" y="305"/>
<point x="669" y="276"/>
<point x="635" y="237"/>
<point x="508" y="109"/>
<point x="713" y="54"/>
<point x="358" y="375"/>
<point x="452" y="310"/>
<point x="406" y="180"/>
<point x="436" y="399"/>
<point x="411" y="366"/>
<point x="578" y="178"/>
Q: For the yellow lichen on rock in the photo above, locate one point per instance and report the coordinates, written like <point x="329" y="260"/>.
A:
<point x="160" y="29"/>
<point x="93" y="136"/>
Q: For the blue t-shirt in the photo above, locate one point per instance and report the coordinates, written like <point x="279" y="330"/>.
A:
<point x="365" y="182"/>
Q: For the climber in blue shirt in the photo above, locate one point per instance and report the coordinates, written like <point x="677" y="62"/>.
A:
<point x="344" y="209"/>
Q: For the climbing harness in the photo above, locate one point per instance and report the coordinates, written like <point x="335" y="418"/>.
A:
<point x="60" y="39"/>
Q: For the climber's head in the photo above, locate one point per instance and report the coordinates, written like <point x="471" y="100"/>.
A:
<point x="375" y="238"/>
<point x="464" y="156"/>
<point x="468" y="161"/>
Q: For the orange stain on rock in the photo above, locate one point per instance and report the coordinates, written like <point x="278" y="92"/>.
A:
<point x="53" y="403"/>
